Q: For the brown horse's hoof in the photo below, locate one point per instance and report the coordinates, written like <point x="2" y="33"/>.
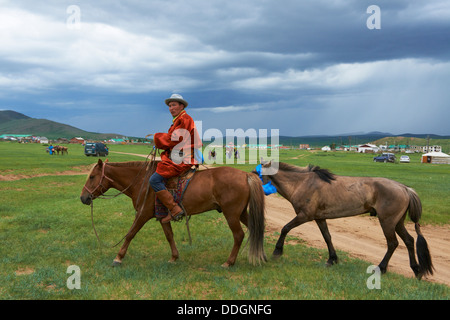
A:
<point x="116" y="264"/>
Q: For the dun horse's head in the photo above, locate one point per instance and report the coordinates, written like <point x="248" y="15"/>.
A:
<point x="97" y="183"/>
<point x="268" y="168"/>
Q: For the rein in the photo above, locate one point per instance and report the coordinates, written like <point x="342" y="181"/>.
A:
<point x="103" y="196"/>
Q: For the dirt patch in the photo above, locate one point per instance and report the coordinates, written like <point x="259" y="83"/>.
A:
<point x="363" y="238"/>
<point x="24" y="271"/>
<point x="82" y="170"/>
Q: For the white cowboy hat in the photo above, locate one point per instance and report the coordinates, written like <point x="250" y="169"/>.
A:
<point x="177" y="98"/>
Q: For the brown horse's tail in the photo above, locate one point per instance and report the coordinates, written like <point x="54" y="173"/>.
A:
<point x="256" y="221"/>
<point x="423" y="254"/>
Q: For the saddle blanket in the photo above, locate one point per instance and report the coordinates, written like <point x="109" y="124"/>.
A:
<point x="176" y="186"/>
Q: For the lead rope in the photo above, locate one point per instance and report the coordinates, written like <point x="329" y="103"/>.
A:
<point x="188" y="217"/>
<point x="93" y="226"/>
<point x="187" y="222"/>
<point x="95" y="230"/>
<point x="153" y="154"/>
<point x="138" y="212"/>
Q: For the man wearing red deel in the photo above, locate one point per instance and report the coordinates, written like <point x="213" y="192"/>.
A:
<point x="178" y="144"/>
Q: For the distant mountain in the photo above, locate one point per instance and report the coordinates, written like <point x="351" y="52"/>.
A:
<point x="12" y="122"/>
<point x="354" y="139"/>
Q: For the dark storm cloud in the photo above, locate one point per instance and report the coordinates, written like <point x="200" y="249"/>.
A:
<point x="240" y="63"/>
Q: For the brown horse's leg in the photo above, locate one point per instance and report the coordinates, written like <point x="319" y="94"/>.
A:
<point x="392" y="243"/>
<point x="332" y="259"/>
<point x="167" y="228"/>
<point x="238" y="235"/>
<point x="138" y="223"/>
<point x="244" y="217"/>
<point x="298" y="220"/>
<point x="409" y="242"/>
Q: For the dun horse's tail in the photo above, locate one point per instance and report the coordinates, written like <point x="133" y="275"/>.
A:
<point x="423" y="254"/>
<point x="256" y="221"/>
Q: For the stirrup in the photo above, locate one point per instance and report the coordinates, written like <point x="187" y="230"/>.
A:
<point x="178" y="216"/>
<point x="175" y="218"/>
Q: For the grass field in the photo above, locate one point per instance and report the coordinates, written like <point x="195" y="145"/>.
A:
<point x="45" y="229"/>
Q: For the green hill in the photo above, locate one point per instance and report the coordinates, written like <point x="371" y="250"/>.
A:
<point x="442" y="141"/>
<point x="12" y="122"/>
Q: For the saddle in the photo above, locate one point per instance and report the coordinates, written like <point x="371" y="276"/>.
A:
<point x="176" y="186"/>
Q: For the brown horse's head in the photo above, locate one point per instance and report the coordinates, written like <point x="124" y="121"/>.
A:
<point x="97" y="183"/>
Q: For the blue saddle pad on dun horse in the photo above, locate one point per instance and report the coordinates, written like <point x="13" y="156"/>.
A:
<point x="176" y="186"/>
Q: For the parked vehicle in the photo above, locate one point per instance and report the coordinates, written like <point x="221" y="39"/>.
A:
<point x="385" y="157"/>
<point x="95" y="149"/>
<point x="404" y="159"/>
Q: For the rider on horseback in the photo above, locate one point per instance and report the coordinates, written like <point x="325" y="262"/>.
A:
<point x="178" y="144"/>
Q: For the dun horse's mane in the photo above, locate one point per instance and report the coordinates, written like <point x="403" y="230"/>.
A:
<point x="291" y="168"/>
<point x="323" y="174"/>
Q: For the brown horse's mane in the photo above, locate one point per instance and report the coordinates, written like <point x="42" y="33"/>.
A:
<point x="130" y="164"/>
<point x="323" y="174"/>
<point x="126" y="164"/>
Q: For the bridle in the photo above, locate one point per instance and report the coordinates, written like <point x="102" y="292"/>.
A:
<point x="91" y="192"/>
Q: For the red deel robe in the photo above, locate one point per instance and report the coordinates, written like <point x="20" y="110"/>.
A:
<point x="180" y="137"/>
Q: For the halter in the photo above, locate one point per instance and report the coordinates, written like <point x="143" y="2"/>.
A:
<point x="101" y="180"/>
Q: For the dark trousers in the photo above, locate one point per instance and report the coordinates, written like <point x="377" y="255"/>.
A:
<point x="158" y="182"/>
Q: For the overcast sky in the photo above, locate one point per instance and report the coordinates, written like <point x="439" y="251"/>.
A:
<point x="303" y="67"/>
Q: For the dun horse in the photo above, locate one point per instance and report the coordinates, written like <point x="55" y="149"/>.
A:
<point x="225" y="189"/>
<point x="316" y="194"/>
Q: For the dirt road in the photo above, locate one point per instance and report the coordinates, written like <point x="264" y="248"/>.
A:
<point x="362" y="237"/>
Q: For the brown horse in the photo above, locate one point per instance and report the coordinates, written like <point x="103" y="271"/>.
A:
<point x="316" y="194"/>
<point x="60" y="149"/>
<point x="224" y="189"/>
